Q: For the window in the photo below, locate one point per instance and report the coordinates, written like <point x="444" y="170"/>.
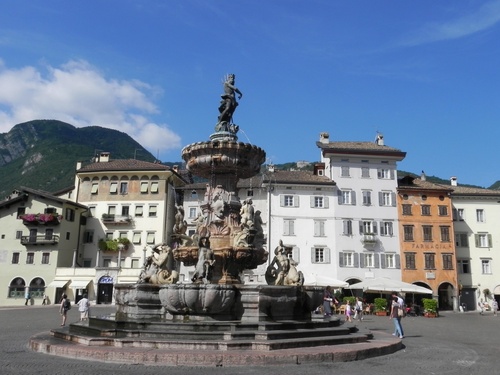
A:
<point x="365" y="172"/>
<point x="461" y="240"/>
<point x="320" y="255"/>
<point x="113" y="188"/>
<point x="135" y="263"/>
<point x="30" y="258"/>
<point x="122" y="234"/>
<point x="192" y="212"/>
<point x="367" y="198"/>
<point x="21" y="211"/>
<point x="125" y="210"/>
<point x="68" y="235"/>
<point x="250" y="193"/>
<point x="443" y="210"/>
<point x="70" y="214"/>
<point x="92" y="211"/>
<point x="368" y="260"/>
<point x="106" y="262"/>
<point x="45" y="258"/>
<point x="123" y="187"/>
<point x="88" y="236"/>
<point x="109" y="236"/>
<point x="344" y="171"/>
<point x="19" y="234"/>
<point x="447" y="261"/>
<point x="483" y="240"/>
<point x="430" y="263"/>
<point x="150" y="238"/>
<point x="111" y="210"/>
<point x="139" y="211"/>
<point x="15" y="258"/>
<point x="144" y="187"/>
<point x="390" y="260"/>
<point x="367" y="227"/>
<point x="49" y="233"/>
<point x="347" y="197"/>
<point x="288" y="227"/>
<point x="486" y="266"/>
<point x="95" y="188"/>
<point x="410" y="261"/>
<point x="463" y="266"/>
<point x="387" y="198"/>
<point x="136" y="238"/>
<point x="385" y="173"/>
<point x="154" y="187"/>
<point x="152" y="211"/>
<point x="317" y="202"/>
<point x="480" y="216"/>
<point x="426" y="210"/>
<point x="16" y="288"/>
<point x="347" y="259"/>
<point x="406" y="209"/>
<point x="458" y="214"/>
<point x="289" y="201"/>
<point x="319" y="228"/>
<point x="347" y="227"/>
<point x="386" y="228"/>
<point x="427" y="232"/>
<point x="445" y="234"/>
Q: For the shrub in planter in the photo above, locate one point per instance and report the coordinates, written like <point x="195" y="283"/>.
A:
<point x="380" y="305"/>
<point x="351" y="300"/>
<point x="430" y="306"/>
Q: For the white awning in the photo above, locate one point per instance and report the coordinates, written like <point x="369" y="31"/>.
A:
<point x="79" y="284"/>
<point x="58" y="283"/>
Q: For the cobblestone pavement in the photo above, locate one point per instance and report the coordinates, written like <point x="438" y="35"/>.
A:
<point x="455" y="343"/>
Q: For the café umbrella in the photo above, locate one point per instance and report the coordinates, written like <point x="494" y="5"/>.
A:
<point x="385" y="285"/>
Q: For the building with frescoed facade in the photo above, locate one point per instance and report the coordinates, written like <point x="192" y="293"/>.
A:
<point x="427" y="239"/>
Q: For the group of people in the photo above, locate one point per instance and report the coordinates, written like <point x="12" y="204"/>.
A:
<point x="65" y="306"/>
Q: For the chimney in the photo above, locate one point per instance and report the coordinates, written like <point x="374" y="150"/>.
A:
<point x="175" y="168"/>
<point x="453" y="181"/>
<point x="103" y="157"/>
<point x="319" y="169"/>
<point x="380" y="139"/>
<point x="270" y="168"/>
<point x="324" y="137"/>
<point x="423" y="177"/>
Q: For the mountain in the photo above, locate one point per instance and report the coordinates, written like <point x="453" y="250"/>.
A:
<point x="42" y="154"/>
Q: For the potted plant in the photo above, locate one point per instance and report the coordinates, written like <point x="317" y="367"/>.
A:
<point x="430" y="307"/>
<point x="113" y="245"/>
<point x="380" y="306"/>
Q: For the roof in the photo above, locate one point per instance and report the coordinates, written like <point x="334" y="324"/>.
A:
<point x="415" y="183"/>
<point x="24" y="192"/>
<point x="360" y="148"/>
<point x="475" y="191"/>
<point x="124" y="165"/>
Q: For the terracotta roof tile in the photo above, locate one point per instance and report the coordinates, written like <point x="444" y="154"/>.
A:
<point x="124" y="165"/>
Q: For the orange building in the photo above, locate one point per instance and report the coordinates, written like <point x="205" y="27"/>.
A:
<point x="427" y="239"/>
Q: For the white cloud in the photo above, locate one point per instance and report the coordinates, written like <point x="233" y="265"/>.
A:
<point x="487" y="16"/>
<point x="79" y="94"/>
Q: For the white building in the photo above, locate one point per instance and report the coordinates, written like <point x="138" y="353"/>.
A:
<point x="365" y="211"/>
<point x="476" y="215"/>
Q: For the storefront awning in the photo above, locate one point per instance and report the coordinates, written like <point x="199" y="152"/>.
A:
<point x="79" y="284"/>
<point x="58" y="283"/>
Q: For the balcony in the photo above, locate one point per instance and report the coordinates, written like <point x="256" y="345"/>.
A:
<point x="39" y="240"/>
<point x="41" y="219"/>
<point x="112" y="219"/>
<point x="369" y="240"/>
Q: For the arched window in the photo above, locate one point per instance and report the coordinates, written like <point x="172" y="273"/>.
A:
<point x="37" y="287"/>
<point x="16" y="288"/>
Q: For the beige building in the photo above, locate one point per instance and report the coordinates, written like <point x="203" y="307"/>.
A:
<point x="39" y="233"/>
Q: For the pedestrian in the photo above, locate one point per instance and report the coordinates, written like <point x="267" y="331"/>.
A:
<point x="44" y="300"/>
<point x="480" y="306"/>
<point x="64" y="307"/>
<point x="401" y="310"/>
<point x="359" y="309"/>
<point x="83" y="307"/>
<point x="394" y="316"/>
<point x="494" y="306"/>
<point x="27" y="298"/>
<point x="348" y="311"/>
<point x="327" y="301"/>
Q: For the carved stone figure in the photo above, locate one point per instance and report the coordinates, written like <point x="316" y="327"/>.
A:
<point x="285" y="272"/>
<point x="247" y="213"/>
<point x="228" y="103"/>
<point x="158" y="267"/>
<point x="205" y="262"/>
<point x="259" y="232"/>
<point x="180" y="225"/>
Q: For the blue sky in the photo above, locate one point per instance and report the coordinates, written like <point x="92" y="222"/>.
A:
<point x="424" y="73"/>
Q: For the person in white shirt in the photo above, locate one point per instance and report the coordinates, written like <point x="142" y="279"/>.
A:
<point x="83" y="307"/>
